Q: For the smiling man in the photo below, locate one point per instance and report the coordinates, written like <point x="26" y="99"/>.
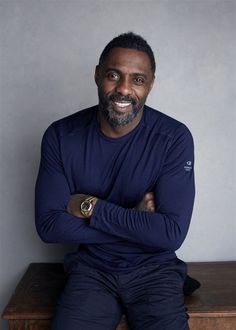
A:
<point x="98" y="168"/>
<point x="124" y="81"/>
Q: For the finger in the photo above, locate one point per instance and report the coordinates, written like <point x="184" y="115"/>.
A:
<point x="149" y="196"/>
<point x="150" y="205"/>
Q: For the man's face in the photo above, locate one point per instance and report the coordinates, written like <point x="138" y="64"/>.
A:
<point x="124" y="82"/>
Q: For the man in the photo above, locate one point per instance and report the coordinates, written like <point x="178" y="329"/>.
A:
<point x="97" y="167"/>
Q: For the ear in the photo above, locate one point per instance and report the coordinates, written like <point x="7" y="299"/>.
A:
<point x="97" y="74"/>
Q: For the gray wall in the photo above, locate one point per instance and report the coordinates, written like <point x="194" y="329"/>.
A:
<point x="48" y="53"/>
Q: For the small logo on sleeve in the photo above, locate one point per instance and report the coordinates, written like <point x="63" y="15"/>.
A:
<point x="188" y="166"/>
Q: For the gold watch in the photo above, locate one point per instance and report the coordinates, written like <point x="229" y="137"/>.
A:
<point x="86" y="206"/>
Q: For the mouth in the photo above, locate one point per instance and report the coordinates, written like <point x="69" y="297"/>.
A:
<point x="122" y="106"/>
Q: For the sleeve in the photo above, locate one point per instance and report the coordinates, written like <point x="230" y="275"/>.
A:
<point x="53" y="223"/>
<point x="174" y="196"/>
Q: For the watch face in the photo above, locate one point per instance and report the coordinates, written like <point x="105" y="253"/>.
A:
<point x="86" y="206"/>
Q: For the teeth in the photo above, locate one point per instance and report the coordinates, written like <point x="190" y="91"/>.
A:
<point x="123" y="104"/>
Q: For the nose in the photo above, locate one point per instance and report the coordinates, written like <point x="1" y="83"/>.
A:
<point x="124" y="87"/>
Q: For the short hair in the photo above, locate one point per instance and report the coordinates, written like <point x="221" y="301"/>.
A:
<point x="132" y="41"/>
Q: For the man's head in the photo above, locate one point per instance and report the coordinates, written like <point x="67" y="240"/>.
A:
<point x="124" y="77"/>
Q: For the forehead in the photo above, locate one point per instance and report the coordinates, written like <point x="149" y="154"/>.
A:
<point x="127" y="59"/>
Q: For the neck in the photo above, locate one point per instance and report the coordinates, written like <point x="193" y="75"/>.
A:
<point x="116" y="132"/>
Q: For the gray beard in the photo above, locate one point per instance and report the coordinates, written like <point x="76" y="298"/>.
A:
<point x="118" y="120"/>
<point x="115" y="119"/>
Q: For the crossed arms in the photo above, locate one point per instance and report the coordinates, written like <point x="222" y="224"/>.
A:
<point x="73" y="207"/>
<point x="58" y="221"/>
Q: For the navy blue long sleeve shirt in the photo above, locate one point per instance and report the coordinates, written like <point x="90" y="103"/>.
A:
<point x="77" y="157"/>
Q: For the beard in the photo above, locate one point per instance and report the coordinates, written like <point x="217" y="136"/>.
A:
<point x="114" y="118"/>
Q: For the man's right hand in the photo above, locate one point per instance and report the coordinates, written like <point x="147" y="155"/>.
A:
<point x="147" y="203"/>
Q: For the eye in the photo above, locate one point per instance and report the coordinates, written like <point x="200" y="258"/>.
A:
<point x="139" y="80"/>
<point x="113" y="76"/>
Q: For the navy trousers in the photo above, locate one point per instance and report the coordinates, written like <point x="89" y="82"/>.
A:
<point x="151" y="297"/>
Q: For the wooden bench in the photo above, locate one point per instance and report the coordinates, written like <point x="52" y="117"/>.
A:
<point x="212" y="307"/>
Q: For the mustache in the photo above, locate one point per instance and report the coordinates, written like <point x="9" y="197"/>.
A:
<point x="120" y="98"/>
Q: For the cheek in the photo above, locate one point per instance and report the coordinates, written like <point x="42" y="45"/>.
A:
<point x="102" y="91"/>
<point x="107" y="87"/>
<point x="141" y="95"/>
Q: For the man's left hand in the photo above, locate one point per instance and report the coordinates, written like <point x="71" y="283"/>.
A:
<point x="75" y="201"/>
